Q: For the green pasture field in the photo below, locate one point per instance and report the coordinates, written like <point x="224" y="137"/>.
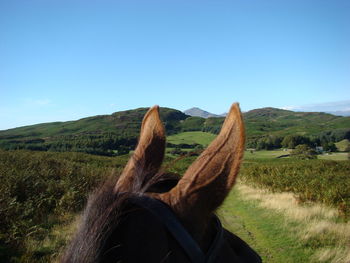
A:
<point x="271" y="154"/>
<point x="264" y="154"/>
<point x="198" y="137"/>
<point x="204" y="138"/>
<point x="169" y="149"/>
<point x="333" y="156"/>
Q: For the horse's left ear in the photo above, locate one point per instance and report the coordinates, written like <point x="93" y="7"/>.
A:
<point x="149" y="153"/>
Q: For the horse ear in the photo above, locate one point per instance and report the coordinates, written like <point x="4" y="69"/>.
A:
<point x="209" y="179"/>
<point x="148" y="155"/>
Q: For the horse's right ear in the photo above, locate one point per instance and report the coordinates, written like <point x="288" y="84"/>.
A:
<point x="148" y="155"/>
<point x="209" y="179"/>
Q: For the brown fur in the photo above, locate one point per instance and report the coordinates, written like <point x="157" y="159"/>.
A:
<point x="209" y="179"/>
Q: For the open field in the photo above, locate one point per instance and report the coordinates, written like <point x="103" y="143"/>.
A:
<point x="204" y="138"/>
<point x="195" y="137"/>
<point x="264" y="154"/>
<point x="333" y="156"/>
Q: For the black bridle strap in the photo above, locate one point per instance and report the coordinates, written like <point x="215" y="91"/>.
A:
<point x="163" y="212"/>
<point x="169" y="219"/>
<point x="216" y="244"/>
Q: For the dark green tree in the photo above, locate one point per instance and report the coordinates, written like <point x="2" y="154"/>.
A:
<point x="291" y="141"/>
<point x="303" y="151"/>
<point x="329" y="147"/>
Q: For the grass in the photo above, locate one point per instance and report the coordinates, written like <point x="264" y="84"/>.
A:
<point x="274" y="225"/>
<point x="50" y="247"/>
<point x="334" y="156"/>
<point x="204" y="138"/>
<point x="270" y="154"/>
<point x="264" y="154"/>
<point x="343" y="145"/>
<point x="323" y="181"/>
<point x="314" y="230"/>
<point x="195" y="137"/>
<point x="169" y="149"/>
<point x="264" y="230"/>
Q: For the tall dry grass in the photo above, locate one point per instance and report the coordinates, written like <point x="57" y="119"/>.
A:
<point x="317" y="224"/>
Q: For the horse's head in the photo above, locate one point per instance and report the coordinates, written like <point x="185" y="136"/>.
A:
<point x="148" y="216"/>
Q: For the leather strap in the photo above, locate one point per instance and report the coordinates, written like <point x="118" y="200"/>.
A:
<point x="169" y="219"/>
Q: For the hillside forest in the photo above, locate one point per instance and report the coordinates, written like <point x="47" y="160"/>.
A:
<point x="116" y="134"/>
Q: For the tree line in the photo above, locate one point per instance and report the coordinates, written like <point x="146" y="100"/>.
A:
<point x="106" y="144"/>
<point x="110" y="144"/>
<point x="326" y="140"/>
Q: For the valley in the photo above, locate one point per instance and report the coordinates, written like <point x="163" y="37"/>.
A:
<point x="55" y="166"/>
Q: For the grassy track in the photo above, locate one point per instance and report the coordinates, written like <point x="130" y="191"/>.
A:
<point x="282" y="230"/>
<point x="264" y="230"/>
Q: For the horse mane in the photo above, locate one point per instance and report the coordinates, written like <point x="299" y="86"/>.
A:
<point x="105" y="208"/>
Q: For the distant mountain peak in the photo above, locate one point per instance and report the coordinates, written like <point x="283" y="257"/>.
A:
<point x="197" y="112"/>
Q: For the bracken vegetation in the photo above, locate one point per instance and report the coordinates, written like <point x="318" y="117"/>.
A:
<point x="42" y="192"/>
<point x="321" y="181"/>
<point x="39" y="191"/>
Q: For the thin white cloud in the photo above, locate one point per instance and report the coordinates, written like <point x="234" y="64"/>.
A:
<point x="339" y="107"/>
<point x="289" y="107"/>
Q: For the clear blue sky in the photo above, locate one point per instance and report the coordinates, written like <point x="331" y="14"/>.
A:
<point x="64" y="60"/>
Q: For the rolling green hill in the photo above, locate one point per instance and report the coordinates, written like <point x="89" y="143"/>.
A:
<point x="104" y="134"/>
<point x="123" y="122"/>
<point x="284" y="122"/>
<point x="343" y="145"/>
<point x="117" y="133"/>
